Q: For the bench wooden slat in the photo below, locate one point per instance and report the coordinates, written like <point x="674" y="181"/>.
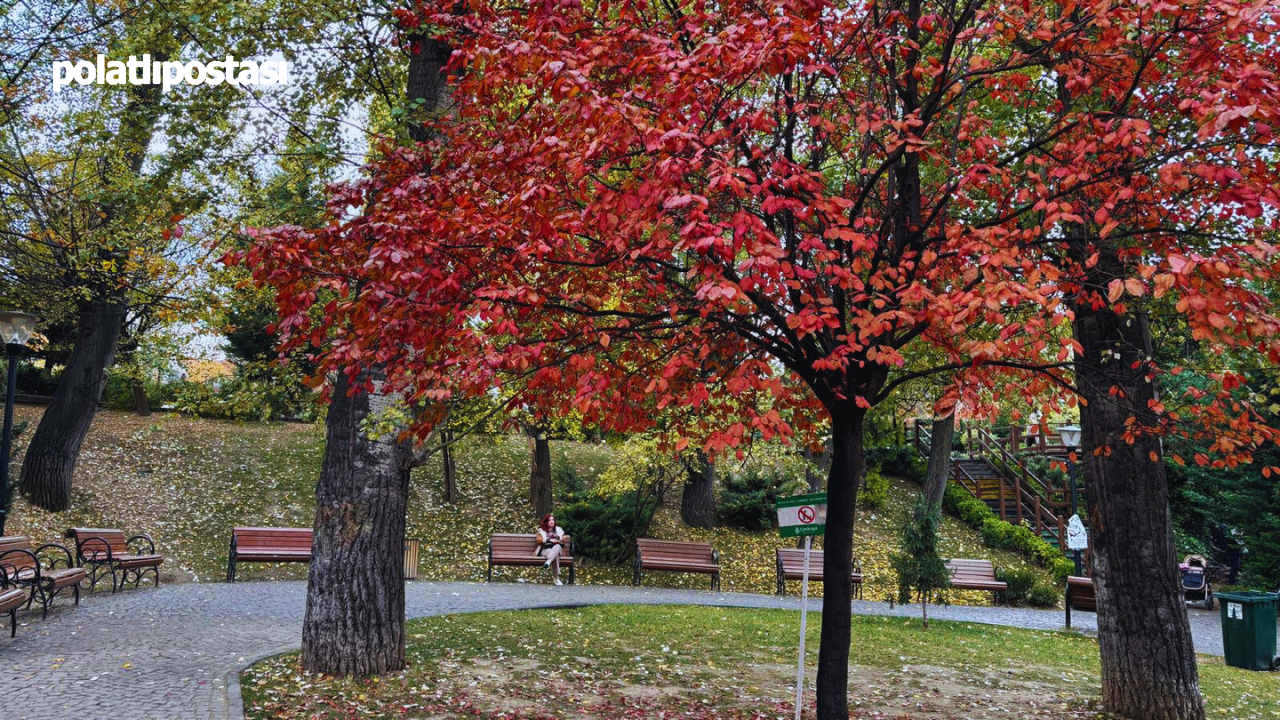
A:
<point x="967" y="574"/>
<point x="676" y="556"/>
<point x="521" y="550"/>
<point x="108" y="548"/>
<point x="268" y="544"/>
<point x="1079" y="595"/>
<point x="790" y="566"/>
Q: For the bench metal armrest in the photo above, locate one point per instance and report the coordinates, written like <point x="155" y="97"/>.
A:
<point x="92" y="545"/>
<point x="999" y="573"/>
<point x="51" y="560"/>
<point x="12" y="566"/>
<point x="150" y="545"/>
<point x="715" y="555"/>
<point x="857" y="567"/>
<point x="7" y="570"/>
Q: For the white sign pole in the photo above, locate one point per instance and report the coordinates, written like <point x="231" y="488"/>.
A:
<point x="804" y="612"/>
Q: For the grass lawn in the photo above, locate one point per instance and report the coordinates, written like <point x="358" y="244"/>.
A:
<point x="703" y="662"/>
<point x="187" y="481"/>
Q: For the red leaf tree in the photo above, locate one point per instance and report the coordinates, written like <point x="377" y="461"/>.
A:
<point x="640" y="206"/>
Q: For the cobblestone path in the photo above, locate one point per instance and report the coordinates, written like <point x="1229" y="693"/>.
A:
<point x="166" y="653"/>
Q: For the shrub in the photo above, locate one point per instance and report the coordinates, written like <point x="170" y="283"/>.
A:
<point x="1020" y="582"/>
<point x="568" y="485"/>
<point x="898" y="460"/>
<point x="605" y="528"/>
<point x="748" y="500"/>
<point x="1044" y="595"/>
<point x="918" y="565"/>
<point x="875" y="491"/>
<point x="1002" y="535"/>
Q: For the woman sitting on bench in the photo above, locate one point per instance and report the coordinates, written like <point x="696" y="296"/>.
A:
<point x="550" y="537"/>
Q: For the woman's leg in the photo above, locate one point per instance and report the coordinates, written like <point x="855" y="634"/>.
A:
<point x="553" y="555"/>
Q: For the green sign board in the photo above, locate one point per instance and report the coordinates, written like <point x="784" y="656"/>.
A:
<point x="802" y="515"/>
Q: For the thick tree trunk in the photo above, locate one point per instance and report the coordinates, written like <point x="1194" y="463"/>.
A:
<point x="540" y="475"/>
<point x="847" y="465"/>
<point x="935" y="484"/>
<point x="50" y="462"/>
<point x="141" y="404"/>
<point x="1148" y="660"/>
<point x="450" y="472"/>
<point x="698" y="502"/>
<point x="354" y="621"/>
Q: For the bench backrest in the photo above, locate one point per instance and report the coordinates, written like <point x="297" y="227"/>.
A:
<point x="18" y="561"/>
<point x="971" y="570"/>
<point x="517" y="544"/>
<point x="675" y="550"/>
<point x="115" y="539"/>
<point x="793" y="560"/>
<point x="1080" y="593"/>
<point x="272" y="538"/>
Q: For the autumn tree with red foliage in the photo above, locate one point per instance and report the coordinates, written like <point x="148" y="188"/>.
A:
<point x="641" y="205"/>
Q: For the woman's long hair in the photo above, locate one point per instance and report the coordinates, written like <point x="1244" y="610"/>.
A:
<point x="546" y="523"/>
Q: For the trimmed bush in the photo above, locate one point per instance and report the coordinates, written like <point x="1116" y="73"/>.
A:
<point x="875" y="491"/>
<point x="748" y="500"/>
<point x="605" y="529"/>
<point x="1020" y="582"/>
<point x="898" y="460"/>
<point x="1044" y="595"/>
<point x="1002" y="535"/>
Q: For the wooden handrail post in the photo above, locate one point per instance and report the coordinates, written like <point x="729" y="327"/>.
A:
<point x="1062" y="534"/>
<point x="917" y="425"/>
<point x="1013" y="436"/>
<point x="1004" y="513"/>
<point x="1039" y="526"/>
<point x="1017" y="496"/>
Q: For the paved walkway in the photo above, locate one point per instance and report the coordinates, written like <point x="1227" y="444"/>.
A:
<point x="166" y="653"/>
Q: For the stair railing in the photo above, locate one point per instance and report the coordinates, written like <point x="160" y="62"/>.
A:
<point x="1030" y="492"/>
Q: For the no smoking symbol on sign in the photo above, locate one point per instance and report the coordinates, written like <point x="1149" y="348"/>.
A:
<point x="805" y="514"/>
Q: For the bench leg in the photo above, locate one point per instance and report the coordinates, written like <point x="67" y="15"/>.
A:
<point x="13" y="622"/>
<point x="715" y="581"/>
<point x="573" y="569"/>
<point x="77" y="592"/>
<point x="488" y="576"/>
<point x="231" y="569"/>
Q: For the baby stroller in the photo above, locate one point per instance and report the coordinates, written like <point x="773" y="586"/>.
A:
<point x="1195" y="581"/>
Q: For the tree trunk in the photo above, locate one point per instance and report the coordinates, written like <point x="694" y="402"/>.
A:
<point x="1148" y="659"/>
<point x="354" y="622"/>
<point x="50" y="461"/>
<point x="450" y="472"/>
<point x="540" y="476"/>
<point x="847" y="463"/>
<point x="140" y="403"/>
<point x="935" y="484"/>
<point x="698" y="502"/>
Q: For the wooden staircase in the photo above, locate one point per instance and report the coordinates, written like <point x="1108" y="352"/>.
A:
<point x="997" y="477"/>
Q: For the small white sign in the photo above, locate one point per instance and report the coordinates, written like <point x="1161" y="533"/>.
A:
<point x="1077" y="536"/>
<point x="1235" y="611"/>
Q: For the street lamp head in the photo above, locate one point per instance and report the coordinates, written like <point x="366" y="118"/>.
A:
<point x="1070" y="435"/>
<point x="16" y="327"/>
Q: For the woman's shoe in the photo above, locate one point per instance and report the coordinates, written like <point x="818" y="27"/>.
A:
<point x="558" y="581"/>
<point x="547" y="564"/>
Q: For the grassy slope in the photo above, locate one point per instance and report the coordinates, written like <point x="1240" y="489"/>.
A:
<point x="617" y="661"/>
<point x="187" y="481"/>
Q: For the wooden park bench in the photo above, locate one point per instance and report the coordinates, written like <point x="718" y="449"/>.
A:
<point x="1080" y="596"/>
<point x="976" y="575"/>
<point x="37" y="569"/>
<point x="676" y="556"/>
<point x="267" y="544"/>
<point x="105" y="551"/>
<point x="12" y="595"/>
<point x="518" y="550"/>
<point x="790" y="566"/>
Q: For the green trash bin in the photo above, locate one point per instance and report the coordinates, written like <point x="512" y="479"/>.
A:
<point x="1249" y="629"/>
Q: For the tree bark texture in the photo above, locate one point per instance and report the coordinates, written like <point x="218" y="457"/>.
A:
<point x="698" y="501"/>
<point x="847" y="466"/>
<point x="450" y="471"/>
<point x="540" y="475"/>
<point x="942" y="434"/>
<point x="141" y="404"/>
<point x="50" y="461"/>
<point x="354" y="622"/>
<point x="1148" y="659"/>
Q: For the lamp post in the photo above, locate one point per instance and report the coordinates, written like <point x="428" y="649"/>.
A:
<point x="1071" y="440"/>
<point x="15" y="331"/>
